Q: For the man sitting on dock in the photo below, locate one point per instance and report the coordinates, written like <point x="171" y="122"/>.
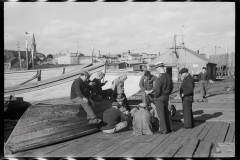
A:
<point x="142" y="120"/>
<point x="79" y="94"/>
<point x="99" y="91"/>
<point x="114" y="120"/>
<point x="146" y="84"/>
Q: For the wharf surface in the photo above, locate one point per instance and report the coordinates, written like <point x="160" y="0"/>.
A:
<point x="214" y="123"/>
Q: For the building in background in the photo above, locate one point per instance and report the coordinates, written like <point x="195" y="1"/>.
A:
<point x="185" y="58"/>
<point x="225" y="64"/>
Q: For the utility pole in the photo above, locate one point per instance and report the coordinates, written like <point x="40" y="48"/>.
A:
<point x="19" y="57"/>
<point x="27" y="53"/>
<point x="92" y="53"/>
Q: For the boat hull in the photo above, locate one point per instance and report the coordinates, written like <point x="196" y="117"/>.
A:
<point x="49" y="89"/>
<point x="48" y="123"/>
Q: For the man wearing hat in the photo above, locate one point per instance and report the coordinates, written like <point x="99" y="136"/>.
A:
<point x="142" y="120"/>
<point x="203" y="83"/>
<point x="163" y="87"/>
<point x="146" y="84"/>
<point x="118" y="89"/>
<point x="99" y="91"/>
<point x="186" y="94"/>
<point x="114" y="120"/>
<point x="80" y="94"/>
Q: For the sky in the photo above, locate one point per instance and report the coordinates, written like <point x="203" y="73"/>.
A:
<point x="112" y="27"/>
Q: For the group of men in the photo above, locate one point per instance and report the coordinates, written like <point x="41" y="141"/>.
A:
<point x="155" y="101"/>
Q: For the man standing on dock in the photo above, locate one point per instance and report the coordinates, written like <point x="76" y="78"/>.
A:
<point x="203" y="82"/>
<point x="186" y="94"/>
<point x="163" y="88"/>
<point x="79" y="94"/>
<point x="146" y="84"/>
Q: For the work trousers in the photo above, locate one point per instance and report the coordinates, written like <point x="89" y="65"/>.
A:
<point x="203" y="88"/>
<point x="118" y="127"/>
<point x="161" y="104"/>
<point x="187" y="111"/>
<point x="86" y="107"/>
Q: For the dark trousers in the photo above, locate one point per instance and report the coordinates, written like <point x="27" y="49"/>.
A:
<point x="147" y="98"/>
<point x="161" y="104"/>
<point x="105" y="93"/>
<point x="204" y="85"/>
<point x="187" y="111"/>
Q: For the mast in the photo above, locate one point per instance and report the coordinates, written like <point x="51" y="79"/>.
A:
<point x="27" y="52"/>
<point x="92" y="53"/>
<point x="19" y="56"/>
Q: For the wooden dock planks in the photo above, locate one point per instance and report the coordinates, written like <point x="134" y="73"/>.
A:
<point x="190" y="149"/>
<point x="221" y="135"/>
<point x="205" y="131"/>
<point x="230" y="133"/>
<point x="213" y="132"/>
<point x="203" y="150"/>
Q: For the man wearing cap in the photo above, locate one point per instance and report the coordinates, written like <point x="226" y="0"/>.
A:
<point x="203" y="82"/>
<point x="99" y="91"/>
<point x="186" y="94"/>
<point x="118" y="88"/>
<point x="142" y="120"/>
<point x="146" y="84"/>
<point x="114" y="120"/>
<point x="163" y="88"/>
<point x="80" y="94"/>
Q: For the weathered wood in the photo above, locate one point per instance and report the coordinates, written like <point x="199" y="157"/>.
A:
<point x="226" y="148"/>
<point x="222" y="135"/>
<point x="130" y="152"/>
<point x="59" y="147"/>
<point x="230" y="133"/>
<point x="213" y="133"/>
<point x="205" y="131"/>
<point x="161" y="147"/>
<point x="225" y="154"/>
<point x="148" y="147"/>
<point x="101" y="146"/>
<point x="198" y="130"/>
<point x="190" y="148"/>
<point x="203" y="150"/>
<point x="149" y="138"/>
<point x="126" y="146"/>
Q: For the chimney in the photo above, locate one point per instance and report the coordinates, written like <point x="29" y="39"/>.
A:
<point x="198" y="51"/>
<point x="159" y="54"/>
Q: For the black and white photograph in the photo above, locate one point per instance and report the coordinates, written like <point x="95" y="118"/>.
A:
<point x="119" y="79"/>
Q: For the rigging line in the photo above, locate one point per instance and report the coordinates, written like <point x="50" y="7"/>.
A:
<point x="199" y="44"/>
<point x="210" y="36"/>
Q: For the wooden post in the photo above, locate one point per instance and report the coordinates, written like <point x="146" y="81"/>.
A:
<point x="39" y="78"/>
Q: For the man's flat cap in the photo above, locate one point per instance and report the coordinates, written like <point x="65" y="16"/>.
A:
<point x="183" y="70"/>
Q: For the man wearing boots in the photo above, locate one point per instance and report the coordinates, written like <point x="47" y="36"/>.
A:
<point x="80" y="94"/>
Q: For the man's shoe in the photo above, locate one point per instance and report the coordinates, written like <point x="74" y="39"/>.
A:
<point x="94" y="121"/>
<point x="160" y="132"/>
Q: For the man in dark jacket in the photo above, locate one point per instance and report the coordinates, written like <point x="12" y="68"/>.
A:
<point x="99" y="91"/>
<point x="203" y="82"/>
<point x="186" y="94"/>
<point x="114" y="120"/>
<point x="80" y="94"/>
<point x="163" y="88"/>
<point x="146" y="84"/>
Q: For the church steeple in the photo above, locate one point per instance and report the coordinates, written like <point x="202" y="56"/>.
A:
<point x="34" y="46"/>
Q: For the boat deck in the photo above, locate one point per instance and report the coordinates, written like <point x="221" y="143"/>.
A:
<point x="200" y="141"/>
